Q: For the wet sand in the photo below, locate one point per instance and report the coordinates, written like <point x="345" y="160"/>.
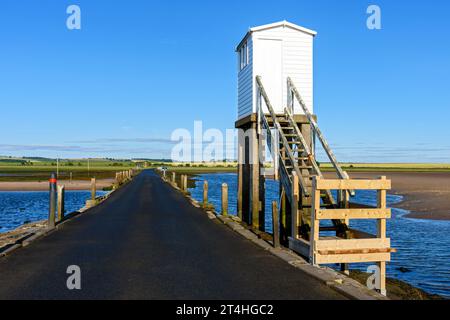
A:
<point x="43" y="185"/>
<point x="426" y="195"/>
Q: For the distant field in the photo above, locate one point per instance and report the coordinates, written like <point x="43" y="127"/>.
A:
<point x="36" y="169"/>
<point x="326" y="167"/>
<point x="40" y="170"/>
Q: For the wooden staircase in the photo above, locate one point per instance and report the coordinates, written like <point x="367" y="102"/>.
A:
<point x="296" y="157"/>
<point x="310" y="198"/>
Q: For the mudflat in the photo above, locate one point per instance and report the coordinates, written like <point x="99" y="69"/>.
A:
<point x="44" y="186"/>
<point x="426" y="195"/>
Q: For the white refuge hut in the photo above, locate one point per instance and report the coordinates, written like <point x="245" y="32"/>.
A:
<point x="275" y="52"/>
<point x="275" y="113"/>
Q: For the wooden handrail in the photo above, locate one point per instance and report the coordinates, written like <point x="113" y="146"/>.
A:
<point x="283" y="170"/>
<point x="341" y="173"/>
<point x="283" y="138"/>
<point x="307" y="151"/>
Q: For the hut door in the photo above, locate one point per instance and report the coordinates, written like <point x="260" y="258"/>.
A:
<point x="270" y="69"/>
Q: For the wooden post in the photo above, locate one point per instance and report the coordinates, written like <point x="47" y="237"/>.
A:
<point x="304" y="201"/>
<point x="71" y="176"/>
<point x="174" y="175"/>
<point x="276" y="225"/>
<point x="344" y="196"/>
<point x="241" y="162"/>
<point x="224" y="199"/>
<point x="246" y="182"/>
<point x="205" y="194"/>
<point x="381" y="233"/>
<point x="93" y="189"/>
<point x="294" y="205"/>
<point x="52" y="205"/>
<point x="61" y="204"/>
<point x="283" y="214"/>
<point x="315" y="224"/>
<point x="255" y="178"/>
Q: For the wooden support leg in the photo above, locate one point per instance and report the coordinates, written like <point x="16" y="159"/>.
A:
<point x="381" y="233"/>
<point x="241" y="159"/>
<point x="343" y="198"/>
<point x="294" y="206"/>
<point x="255" y="177"/>
<point x="315" y="224"/>
<point x="382" y="266"/>
<point x="262" y="201"/>
<point x="246" y="183"/>
<point x="283" y="213"/>
<point x="345" y="268"/>
<point x="275" y="220"/>
<point x="305" y="202"/>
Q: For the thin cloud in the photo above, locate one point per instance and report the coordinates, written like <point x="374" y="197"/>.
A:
<point x="72" y="148"/>
<point x="126" y="140"/>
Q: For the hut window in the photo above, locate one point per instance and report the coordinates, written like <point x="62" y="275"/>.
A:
<point x="243" y="56"/>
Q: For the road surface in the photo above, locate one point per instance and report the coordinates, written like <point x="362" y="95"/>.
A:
<point x="148" y="242"/>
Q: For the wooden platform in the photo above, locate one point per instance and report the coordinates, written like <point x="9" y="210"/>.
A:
<point x="361" y="247"/>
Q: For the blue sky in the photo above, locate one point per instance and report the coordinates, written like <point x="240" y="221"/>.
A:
<point x="137" y="70"/>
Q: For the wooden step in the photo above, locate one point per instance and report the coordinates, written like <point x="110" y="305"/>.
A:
<point x="300" y="167"/>
<point x="296" y="158"/>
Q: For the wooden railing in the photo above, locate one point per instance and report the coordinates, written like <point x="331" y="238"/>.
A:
<point x="294" y="94"/>
<point x="283" y="140"/>
<point x="371" y="248"/>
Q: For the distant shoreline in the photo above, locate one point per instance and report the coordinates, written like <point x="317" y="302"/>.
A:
<point x="76" y="185"/>
<point x="426" y="194"/>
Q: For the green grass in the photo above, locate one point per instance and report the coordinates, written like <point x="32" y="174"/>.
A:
<point x="327" y="167"/>
<point x="40" y="170"/>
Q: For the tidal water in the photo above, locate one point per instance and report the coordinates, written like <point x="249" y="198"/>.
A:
<point x="423" y="257"/>
<point x="18" y="208"/>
